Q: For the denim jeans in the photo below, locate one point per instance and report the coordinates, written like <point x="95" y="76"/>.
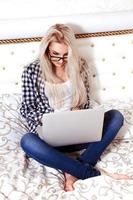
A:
<point x="84" y="166"/>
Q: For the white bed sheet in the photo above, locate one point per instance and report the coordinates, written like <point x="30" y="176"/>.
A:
<point x="37" y="182"/>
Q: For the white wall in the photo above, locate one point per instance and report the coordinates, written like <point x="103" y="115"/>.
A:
<point x="42" y="8"/>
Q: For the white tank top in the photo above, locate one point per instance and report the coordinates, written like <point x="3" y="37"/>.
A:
<point x="66" y="102"/>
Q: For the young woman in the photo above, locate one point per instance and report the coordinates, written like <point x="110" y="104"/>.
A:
<point x="59" y="81"/>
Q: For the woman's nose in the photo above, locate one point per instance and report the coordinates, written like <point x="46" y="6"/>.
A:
<point x="61" y="61"/>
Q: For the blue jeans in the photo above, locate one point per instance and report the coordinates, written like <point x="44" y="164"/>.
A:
<point x="84" y="166"/>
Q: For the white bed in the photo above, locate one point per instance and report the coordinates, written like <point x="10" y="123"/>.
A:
<point x="109" y="55"/>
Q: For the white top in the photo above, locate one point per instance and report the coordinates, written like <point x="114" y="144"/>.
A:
<point x="66" y="100"/>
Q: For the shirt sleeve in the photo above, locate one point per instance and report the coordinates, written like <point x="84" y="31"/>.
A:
<point x="85" y="73"/>
<point x="29" y="108"/>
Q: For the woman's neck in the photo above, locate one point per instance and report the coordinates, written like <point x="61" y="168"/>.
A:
<point x="61" y="74"/>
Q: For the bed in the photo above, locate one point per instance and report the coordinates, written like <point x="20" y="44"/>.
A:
<point x="108" y="48"/>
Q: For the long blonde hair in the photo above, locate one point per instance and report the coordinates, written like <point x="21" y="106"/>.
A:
<point x="64" y="34"/>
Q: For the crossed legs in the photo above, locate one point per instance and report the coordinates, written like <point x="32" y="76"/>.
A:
<point x="84" y="166"/>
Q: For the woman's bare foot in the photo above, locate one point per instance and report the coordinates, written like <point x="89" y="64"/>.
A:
<point x="115" y="175"/>
<point x="69" y="181"/>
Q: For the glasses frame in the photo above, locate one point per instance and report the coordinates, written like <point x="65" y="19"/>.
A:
<point x="57" y="58"/>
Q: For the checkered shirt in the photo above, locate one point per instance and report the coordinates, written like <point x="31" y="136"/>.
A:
<point x="34" y="100"/>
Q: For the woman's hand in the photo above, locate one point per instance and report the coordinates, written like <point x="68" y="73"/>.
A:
<point x="77" y="108"/>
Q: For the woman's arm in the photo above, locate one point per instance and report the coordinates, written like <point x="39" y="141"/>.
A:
<point x="29" y="108"/>
<point x="34" y="101"/>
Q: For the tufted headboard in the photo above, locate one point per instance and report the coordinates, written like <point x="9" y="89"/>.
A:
<point x="105" y="40"/>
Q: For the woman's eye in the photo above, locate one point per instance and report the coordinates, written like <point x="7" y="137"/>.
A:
<point x="55" y="53"/>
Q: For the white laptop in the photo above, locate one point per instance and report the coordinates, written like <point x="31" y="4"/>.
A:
<point x="72" y="127"/>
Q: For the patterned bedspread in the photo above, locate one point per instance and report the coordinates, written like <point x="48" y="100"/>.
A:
<point x="36" y="182"/>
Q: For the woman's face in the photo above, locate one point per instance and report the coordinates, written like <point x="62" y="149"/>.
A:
<point x="58" y="53"/>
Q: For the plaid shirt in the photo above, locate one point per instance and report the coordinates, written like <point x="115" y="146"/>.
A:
<point x="34" y="101"/>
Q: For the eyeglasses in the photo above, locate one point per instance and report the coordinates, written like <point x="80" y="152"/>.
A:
<point x="57" y="58"/>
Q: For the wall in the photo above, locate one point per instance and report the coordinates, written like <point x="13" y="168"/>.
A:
<point x="41" y="8"/>
<point x="113" y="54"/>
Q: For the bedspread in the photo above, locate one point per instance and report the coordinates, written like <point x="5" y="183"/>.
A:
<point x="34" y="181"/>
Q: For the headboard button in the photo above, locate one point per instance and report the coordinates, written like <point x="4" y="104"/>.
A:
<point x="103" y="59"/>
<point x="12" y="52"/>
<point x="33" y="51"/>
<point x="94" y="75"/>
<point x="92" y="45"/>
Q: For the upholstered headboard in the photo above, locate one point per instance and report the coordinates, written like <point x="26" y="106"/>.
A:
<point x="105" y="40"/>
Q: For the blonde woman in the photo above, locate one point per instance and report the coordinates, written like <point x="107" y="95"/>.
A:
<point x="59" y="81"/>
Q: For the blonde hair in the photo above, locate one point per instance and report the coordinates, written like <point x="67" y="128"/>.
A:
<point x="63" y="34"/>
